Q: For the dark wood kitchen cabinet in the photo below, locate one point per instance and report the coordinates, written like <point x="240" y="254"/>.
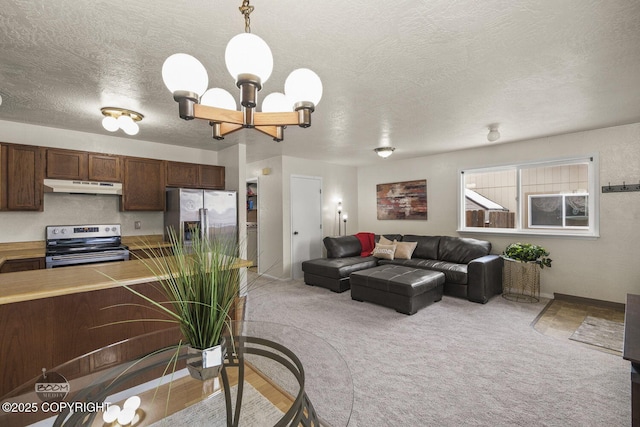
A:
<point x="191" y="175"/>
<point x="105" y="167"/>
<point x="67" y="164"/>
<point x="212" y="177"/>
<point x="21" y="177"/>
<point x="144" y="185"/>
<point x="82" y="165"/>
<point x="13" y="265"/>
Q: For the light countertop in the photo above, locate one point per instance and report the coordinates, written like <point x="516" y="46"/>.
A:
<point x="45" y="283"/>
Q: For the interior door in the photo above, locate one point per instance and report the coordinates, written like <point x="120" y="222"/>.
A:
<point x="306" y="221"/>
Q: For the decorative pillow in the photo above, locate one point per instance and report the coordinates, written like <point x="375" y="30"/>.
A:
<point x="384" y="251"/>
<point x="384" y="241"/>
<point x="404" y="250"/>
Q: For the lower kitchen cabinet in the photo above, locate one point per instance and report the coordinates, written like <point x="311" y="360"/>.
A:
<point x="47" y="332"/>
<point x="13" y="265"/>
<point x="147" y="253"/>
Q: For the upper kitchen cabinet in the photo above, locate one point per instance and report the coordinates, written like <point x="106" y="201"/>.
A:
<point x="212" y="177"/>
<point x="190" y="175"/>
<point x="21" y="177"/>
<point x="67" y="164"/>
<point x="105" y="167"/>
<point x="81" y="165"/>
<point x="143" y="188"/>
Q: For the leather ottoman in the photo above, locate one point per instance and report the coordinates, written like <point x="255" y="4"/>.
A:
<point x="404" y="289"/>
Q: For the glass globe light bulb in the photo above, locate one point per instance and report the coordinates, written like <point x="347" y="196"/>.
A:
<point x="132" y="129"/>
<point x="111" y="414"/>
<point x="247" y="53"/>
<point x="110" y="123"/>
<point x="276" y="102"/>
<point x="184" y="72"/>
<point x="220" y="98"/>
<point x="127" y="124"/>
<point x="133" y="402"/>
<point x="303" y="85"/>
<point x="126" y="416"/>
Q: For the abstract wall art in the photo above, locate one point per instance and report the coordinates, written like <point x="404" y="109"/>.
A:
<point x="402" y="200"/>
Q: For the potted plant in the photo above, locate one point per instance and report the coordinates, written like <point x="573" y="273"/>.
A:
<point x="521" y="277"/>
<point x="201" y="283"/>
<point x="526" y="252"/>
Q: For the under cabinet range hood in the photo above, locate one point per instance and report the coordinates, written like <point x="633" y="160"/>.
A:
<point x="82" y="187"/>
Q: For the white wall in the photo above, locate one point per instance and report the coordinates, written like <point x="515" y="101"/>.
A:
<point x="274" y="214"/>
<point x="603" y="268"/>
<point x="76" y="209"/>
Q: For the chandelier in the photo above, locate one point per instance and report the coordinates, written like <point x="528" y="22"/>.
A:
<point x="250" y="63"/>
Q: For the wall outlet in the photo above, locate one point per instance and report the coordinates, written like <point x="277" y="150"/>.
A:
<point x="137" y="225"/>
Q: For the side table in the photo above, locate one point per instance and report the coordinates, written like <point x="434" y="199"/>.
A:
<point x="521" y="281"/>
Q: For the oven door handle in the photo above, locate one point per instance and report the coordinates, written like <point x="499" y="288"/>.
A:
<point x="86" y="256"/>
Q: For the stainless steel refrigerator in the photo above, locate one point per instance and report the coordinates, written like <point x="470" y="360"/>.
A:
<point x="209" y="213"/>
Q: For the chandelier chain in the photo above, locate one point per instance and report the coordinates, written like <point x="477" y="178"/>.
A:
<point x="246" y="10"/>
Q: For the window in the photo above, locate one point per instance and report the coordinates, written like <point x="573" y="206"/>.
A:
<point x="553" y="198"/>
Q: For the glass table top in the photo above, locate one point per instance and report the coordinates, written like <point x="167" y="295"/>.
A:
<point x="143" y="381"/>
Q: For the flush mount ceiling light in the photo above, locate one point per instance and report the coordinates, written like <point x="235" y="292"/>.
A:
<point x="493" y="134"/>
<point x="249" y="61"/>
<point x="120" y="118"/>
<point x="384" y="152"/>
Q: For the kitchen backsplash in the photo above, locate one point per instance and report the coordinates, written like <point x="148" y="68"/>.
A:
<point x="64" y="209"/>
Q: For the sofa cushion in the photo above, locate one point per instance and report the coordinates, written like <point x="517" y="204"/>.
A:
<point x="462" y="250"/>
<point x="453" y="272"/>
<point x="404" y="250"/>
<point x="338" y="268"/>
<point x="343" y="246"/>
<point x="384" y="251"/>
<point x="427" y="247"/>
<point x="384" y="241"/>
<point x="389" y="237"/>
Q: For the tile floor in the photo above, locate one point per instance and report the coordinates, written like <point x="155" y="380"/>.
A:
<point x="561" y="318"/>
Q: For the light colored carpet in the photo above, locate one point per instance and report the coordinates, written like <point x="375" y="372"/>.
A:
<point x="600" y="332"/>
<point x="454" y="363"/>
<point x="256" y="411"/>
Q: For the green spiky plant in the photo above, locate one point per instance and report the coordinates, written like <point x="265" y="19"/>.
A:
<point x="200" y="282"/>
<point x="527" y="252"/>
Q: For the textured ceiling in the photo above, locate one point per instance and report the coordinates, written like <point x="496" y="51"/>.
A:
<point x="423" y="76"/>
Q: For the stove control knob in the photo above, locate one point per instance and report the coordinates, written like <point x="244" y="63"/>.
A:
<point x="107" y="229"/>
<point x="63" y="231"/>
<point x="56" y="231"/>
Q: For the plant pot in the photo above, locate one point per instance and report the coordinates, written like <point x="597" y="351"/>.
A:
<point x="521" y="281"/>
<point x="206" y="364"/>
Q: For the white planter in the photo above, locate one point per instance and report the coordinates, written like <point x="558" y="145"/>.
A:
<point x="206" y="364"/>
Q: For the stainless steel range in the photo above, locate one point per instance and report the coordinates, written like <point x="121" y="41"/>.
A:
<point x="84" y="244"/>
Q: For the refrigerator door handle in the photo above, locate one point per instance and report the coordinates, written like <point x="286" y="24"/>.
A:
<point x="203" y="223"/>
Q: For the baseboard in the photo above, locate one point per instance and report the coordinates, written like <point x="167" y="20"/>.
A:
<point x="589" y="301"/>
